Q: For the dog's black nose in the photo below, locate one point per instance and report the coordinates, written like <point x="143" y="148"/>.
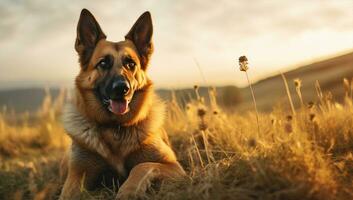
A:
<point x="120" y="88"/>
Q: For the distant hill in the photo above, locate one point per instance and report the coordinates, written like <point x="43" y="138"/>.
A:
<point x="329" y="73"/>
<point x="31" y="99"/>
<point x="269" y="92"/>
<point x="22" y="100"/>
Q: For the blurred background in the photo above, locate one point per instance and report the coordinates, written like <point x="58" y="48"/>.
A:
<point x="288" y="154"/>
<point x="196" y="43"/>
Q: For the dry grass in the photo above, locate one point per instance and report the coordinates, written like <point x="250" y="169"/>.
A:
<point x="306" y="156"/>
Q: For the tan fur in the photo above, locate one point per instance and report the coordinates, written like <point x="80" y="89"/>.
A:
<point x="133" y="145"/>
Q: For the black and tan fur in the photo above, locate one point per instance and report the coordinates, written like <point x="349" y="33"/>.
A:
<point x="132" y="145"/>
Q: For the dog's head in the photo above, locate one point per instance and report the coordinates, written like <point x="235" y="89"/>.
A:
<point x="112" y="73"/>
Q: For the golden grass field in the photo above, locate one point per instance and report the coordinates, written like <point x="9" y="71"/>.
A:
<point x="303" y="155"/>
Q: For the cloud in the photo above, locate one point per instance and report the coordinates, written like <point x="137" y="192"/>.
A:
<point x="37" y="37"/>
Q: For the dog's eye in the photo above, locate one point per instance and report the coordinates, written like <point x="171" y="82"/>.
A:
<point x="129" y="63"/>
<point x="105" y="63"/>
<point x="102" y="64"/>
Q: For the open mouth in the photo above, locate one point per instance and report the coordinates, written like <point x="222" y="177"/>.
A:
<point x="115" y="96"/>
<point x="118" y="107"/>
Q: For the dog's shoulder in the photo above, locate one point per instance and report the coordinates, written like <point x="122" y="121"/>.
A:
<point x="82" y="131"/>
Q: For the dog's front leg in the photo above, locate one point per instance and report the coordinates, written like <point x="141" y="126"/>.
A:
<point x="83" y="169"/>
<point x="71" y="188"/>
<point x="143" y="174"/>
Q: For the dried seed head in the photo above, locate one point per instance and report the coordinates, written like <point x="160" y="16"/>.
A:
<point x="289" y="117"/>
<point x="201" y="112"/>
<point x="196" y="87"/>
<point x="188" y="107"/>
<point x="243" y="59"/>
<point x="252" y="143"/>
<point x="311" y="116"/>
<point x="297" y="83"/>
<point x="215" y="112"/>
<point x="243" y="63"/>
<point x="311" y="104"/>
<point x="273" y="121"/>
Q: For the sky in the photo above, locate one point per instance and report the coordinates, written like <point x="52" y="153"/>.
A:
<point x="37" y="37"/>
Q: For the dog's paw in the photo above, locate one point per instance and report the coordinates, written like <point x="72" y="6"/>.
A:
<point x="128" y="194"/>
<point x="125" y="196"/>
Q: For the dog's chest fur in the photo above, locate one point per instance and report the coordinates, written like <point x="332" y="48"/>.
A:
<point x="113" y="143"/>
<point x="119" y="143"/>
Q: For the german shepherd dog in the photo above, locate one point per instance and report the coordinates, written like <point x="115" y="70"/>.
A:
<point x="115" y="119"/>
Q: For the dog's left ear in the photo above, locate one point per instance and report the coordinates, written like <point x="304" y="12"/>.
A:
<point x="88" y="34"/>
<point x="141" y="35"/>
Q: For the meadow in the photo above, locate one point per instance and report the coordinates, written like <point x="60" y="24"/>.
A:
<point x="303" y="153"/>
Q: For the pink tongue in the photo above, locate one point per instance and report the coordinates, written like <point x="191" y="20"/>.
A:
<point x="118" y="107"/>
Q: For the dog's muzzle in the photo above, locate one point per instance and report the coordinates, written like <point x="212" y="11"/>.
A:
<point x="118" y="103"/>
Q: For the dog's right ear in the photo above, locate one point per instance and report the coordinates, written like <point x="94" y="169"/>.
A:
<point x="141" y="35"/>
<point x="88" y="34"/>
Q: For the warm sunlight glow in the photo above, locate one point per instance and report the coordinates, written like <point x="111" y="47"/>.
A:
<point x="37" y="38"/>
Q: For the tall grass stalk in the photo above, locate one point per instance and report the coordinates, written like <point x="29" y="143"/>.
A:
<point x="201" y="72"/>
<point x="319" y="91"/>
<point x="352" y="89"/>
<point x="205" y="141"/>
<point x="288" y="94"/>
<point x="197" y="150"/>
<point x="203" y="77"/>
<point x="254" y="100"/>
<point x="298" y="86"/>
<point x="346" y="86"/>
<point x="243" y="63"/>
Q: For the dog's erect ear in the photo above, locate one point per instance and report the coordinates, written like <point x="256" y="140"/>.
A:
<point x="88" y="34"/>
<point x="141" y="35"/>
